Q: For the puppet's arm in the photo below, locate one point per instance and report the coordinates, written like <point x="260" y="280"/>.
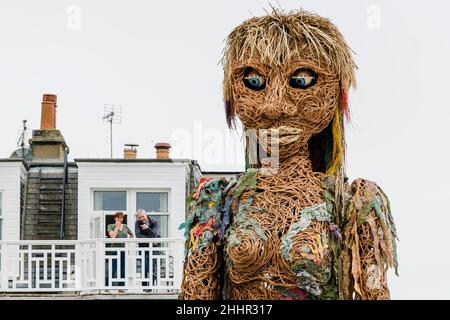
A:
<point x="204" y="229"/>
<point x="200" y="276"/>
<point x="369" y="243"/>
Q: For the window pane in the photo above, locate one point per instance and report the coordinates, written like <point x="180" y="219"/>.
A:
<point x="163" y="225"/>
<point x="0" y="204"/>
<point x="1" y="229"/>
<point x="152" y="201"/>
<point x="110" y="200"/>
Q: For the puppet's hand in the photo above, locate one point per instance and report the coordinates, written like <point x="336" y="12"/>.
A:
<point x="369" y="243"/>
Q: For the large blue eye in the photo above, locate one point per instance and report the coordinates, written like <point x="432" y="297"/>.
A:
<point x="303" y="78"/>
<point x="254" y="80"/>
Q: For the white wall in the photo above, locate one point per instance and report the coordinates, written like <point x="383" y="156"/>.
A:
<point x="10" y="173"/>
<point x="132" y="175"/>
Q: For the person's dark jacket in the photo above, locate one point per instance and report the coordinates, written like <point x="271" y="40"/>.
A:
<point x="151" y="232"/>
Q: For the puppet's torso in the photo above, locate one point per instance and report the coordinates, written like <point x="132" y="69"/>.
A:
<point x="278" y="245"/>
<point x="278" y="237"/>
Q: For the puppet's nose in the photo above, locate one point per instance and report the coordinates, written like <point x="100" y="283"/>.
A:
<point x="276" y="104"/>
<point x="274" y="111"/>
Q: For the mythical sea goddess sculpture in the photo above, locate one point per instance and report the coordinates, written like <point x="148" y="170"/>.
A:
<point x="291" y="226"/>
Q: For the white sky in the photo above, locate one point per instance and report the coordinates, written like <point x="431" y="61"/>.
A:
<point x="159" y="60"/>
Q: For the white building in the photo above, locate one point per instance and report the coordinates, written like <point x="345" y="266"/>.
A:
<point x="13" y="174"/>
<point x="54" y="217"/>
<point x="106" y="186"/>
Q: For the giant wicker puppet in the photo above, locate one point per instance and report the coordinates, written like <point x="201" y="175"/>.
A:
<point x="291" y="226"/>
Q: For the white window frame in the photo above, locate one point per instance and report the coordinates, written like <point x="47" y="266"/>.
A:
<point x="131" y="208"/>
<point x="154" y="213"/>
<point x="101" y="214"/>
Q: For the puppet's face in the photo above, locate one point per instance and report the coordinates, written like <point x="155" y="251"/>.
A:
<point x="288" y="71"/>
<point x="299" y="98"/>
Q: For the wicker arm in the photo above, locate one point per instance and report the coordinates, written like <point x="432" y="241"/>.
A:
<point x="369" y="247"/>
<point x="200" y="276"/>
<point x="204" y="230"/>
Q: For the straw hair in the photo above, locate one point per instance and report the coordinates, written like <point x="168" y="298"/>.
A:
<point x="338" y="145"/>
<point x="280" y="37"/>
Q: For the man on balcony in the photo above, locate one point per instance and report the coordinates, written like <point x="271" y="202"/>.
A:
<point x="146" y="228"/>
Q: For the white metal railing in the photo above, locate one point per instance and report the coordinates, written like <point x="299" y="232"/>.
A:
<point x="132" y="265"/>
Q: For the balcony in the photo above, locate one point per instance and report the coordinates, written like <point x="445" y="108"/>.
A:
<point x="87" y="267"/>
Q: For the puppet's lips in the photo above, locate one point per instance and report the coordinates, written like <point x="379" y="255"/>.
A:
<point x="281" y="135"/>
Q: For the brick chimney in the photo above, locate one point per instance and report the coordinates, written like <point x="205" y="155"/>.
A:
<point x="47" y="143"/>
<point x="48" y="112"/>
<point x="162" y="150"/>
<point x="130" y="151"/>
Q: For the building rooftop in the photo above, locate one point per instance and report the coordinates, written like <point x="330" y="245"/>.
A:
<point x="221" y="172"/>
<point x="120" y="160"/>
<point x="15" y="160"/>
<point x="11" y="160"/>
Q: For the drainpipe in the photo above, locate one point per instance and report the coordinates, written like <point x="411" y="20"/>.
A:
<point x="63" y="203"/>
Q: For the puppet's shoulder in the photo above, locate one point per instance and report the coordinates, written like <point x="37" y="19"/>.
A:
<point x="360" y="192"/>
<point x="209" y="208"/>
<point x="360" y="199"/>
<point x="365" y="194"/>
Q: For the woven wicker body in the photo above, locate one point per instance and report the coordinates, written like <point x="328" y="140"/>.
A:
<point x="290" y="227"/>
<point x="264" y="239"/>
<point x="259" y="264"/>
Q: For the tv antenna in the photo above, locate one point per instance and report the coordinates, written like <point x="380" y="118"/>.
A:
<point x="22" y="152"/>
<point x="112" y="114"/>
<point x="23" y="134"/>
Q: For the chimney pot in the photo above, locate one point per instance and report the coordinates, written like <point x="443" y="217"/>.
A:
<point x="130" y="151"/>
<point x="162" y="150"/>
<point x="48" y="112"/>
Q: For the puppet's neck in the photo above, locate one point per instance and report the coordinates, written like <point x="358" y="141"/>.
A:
<point x="288" y="159"/>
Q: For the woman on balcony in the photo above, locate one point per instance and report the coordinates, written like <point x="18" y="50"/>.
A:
<point x="117" y="230"/>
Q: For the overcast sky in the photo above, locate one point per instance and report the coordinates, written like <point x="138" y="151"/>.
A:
<point x="159" y="60"/>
